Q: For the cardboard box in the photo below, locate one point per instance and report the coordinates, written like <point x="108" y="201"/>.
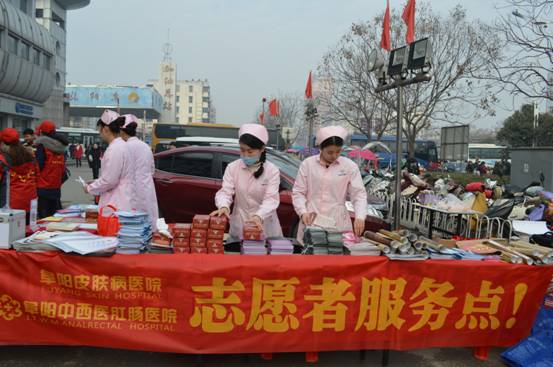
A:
<point x="181" y="250"/>
<point x="198" y="250"/>
<point x="199" y="233"/>
<point x="216" y="234"/>
<point x="218" y="223"/>
<point x="214" y="243"/>
<point x="216" y="250"/>
<point x="201" y="222"/>
<point x="181" y="242"/>
<point x="198" y="242"/>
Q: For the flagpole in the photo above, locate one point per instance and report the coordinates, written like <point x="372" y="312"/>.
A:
<point x="263" y="100"/>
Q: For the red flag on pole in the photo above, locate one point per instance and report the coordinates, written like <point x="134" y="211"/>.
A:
<point x="262" y="118"/>
<point x="385" y="42"/>
<point x="309" y="88"/>
<point x="274" y="108"/>
<point x="409" y="19"/>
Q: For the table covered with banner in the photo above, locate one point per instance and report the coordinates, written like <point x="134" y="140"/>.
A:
<point x="196" y="303"/>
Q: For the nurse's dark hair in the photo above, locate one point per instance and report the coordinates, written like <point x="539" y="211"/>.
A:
<point x="115" y="126"/>
<point x="255" y="143"/>
<point x="130" y="130"/>
<point x="333" y="140"/>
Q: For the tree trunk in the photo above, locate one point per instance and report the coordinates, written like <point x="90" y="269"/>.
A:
<point x="411" y="146"/>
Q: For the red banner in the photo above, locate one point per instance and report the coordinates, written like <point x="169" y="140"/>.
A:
<point x="233" y="304"/>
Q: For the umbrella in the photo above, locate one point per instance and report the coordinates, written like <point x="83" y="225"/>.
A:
<point x="365" y="154"/>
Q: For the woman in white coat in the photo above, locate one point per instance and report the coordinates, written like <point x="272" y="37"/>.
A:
<point x="252" y="184"/>
<point x="142" y="166"/>
<point x="115" y="186"/>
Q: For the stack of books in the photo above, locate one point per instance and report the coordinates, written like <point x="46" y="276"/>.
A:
<point x="280" y="246"/>
<point x="362" y="249"/>
<point x="135" y="232"/>
<point x="320" y="242"/>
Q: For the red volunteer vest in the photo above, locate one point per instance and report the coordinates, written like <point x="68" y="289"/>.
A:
<point x="22" y="186"/>
<point x="50" y="177"/>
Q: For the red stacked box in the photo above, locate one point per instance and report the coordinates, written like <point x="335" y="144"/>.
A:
<point x="216" y="235"/>
<point x="204" y="235"/>
<point x="181" y="237"/>
<point x="251" y="232"/>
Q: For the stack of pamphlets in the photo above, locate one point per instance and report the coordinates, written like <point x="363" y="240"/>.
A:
<point x="135" y="232"/>
<point x="83" y="243"/>
<point x="280" y="246"/>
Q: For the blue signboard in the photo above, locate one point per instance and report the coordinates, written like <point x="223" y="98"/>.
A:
<point x="142" y="98"/>
<point x="24" y="109"/>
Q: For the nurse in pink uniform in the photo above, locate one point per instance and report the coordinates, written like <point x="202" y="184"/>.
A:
<point x="252" y="184"/>
<point x="143" y="167"/>
<point x="326" y="181"/>
<point x="115" y="186"/>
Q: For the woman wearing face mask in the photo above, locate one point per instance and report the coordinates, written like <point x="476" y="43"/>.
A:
<point x="324" y="183"/>
<point x="116" y="183"/>
<point x="252" y="184"/>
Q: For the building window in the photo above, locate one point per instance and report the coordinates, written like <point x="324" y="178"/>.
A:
<point x="178" y="99"/>
<point x="25" y="51"/>
<point x="39" y="13"/>
<point x="36" y="56"/>
<point x="12" y="44"/>
<point x="47" y="61"/>
<point x="205" y="120"/>
<point x="177" y="109"/>
<point x="58" y="79"/>
<point x="191" y="89"/>
<point x="58" y="48"/>
<point x="177" y="119"/>
<point x="189" y="119"/>
<point x="189" y="109"/>
<point x="190" y="99"/>
<point x="205" y="89"/>
<point x="205" y="110"/>
<point x="205" y="99"/>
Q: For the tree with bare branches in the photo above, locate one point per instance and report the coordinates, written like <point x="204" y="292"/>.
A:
<point x="454" y="95"/>
<point x="291" y="120"/>
<point x="525" y="67"/>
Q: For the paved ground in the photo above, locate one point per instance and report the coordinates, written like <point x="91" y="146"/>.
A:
<point x="85" y="356"/>
<point x="81" y="356"/>
<point x="72" y="192"/>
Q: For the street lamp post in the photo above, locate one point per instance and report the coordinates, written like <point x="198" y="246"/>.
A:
<point x="407" y="65"/>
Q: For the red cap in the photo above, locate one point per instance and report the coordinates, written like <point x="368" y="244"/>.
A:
<point x="10" y="135"/>
<point x="46" y="127"/>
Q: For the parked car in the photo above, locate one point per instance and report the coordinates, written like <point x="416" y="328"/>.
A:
<point x="187" y="179"/>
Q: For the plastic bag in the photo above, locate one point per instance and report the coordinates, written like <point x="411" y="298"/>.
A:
<point x="534" y="191"/>
<point x="108" y="225"/>
<point x="535" y="351"/>
<point x="537" y="213"/>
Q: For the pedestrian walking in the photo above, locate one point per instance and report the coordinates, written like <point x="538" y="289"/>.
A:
<point x="94" y="158"/>
<point x="78" y="154"/>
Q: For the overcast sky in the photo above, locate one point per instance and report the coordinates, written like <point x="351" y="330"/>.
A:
<point x="245" y="48"/>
